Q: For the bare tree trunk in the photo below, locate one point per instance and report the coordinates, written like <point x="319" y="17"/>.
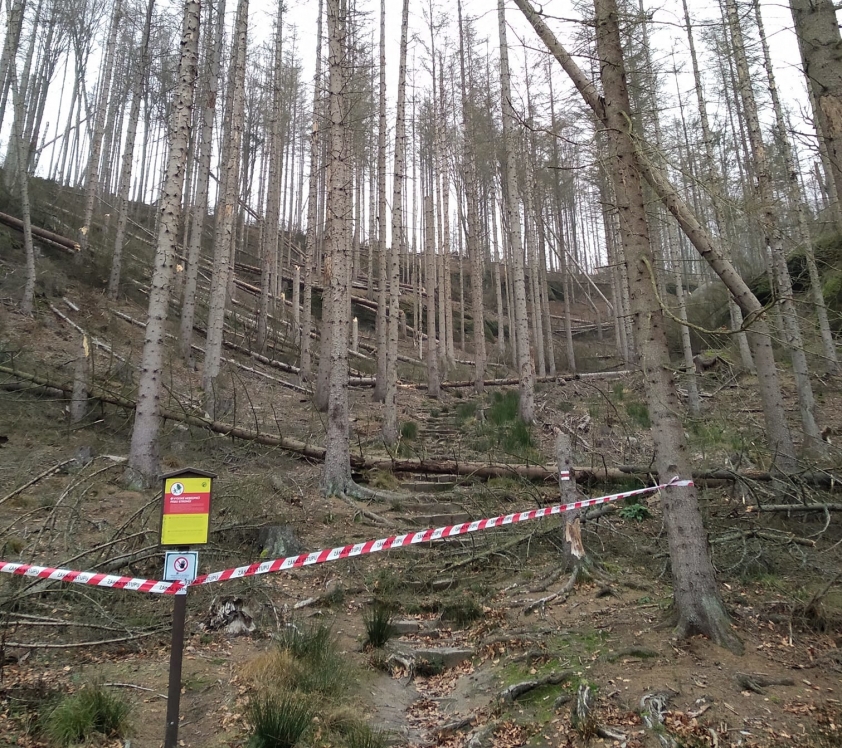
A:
<point x="24" y="94"/>
<point x="143" y="453"/>
<point x="574" y="550"/>
<point x="27" y="303"/>
<point x="92" y="178"/>
<point x="390" y="420"/>
<point x="14" y="23"/>
<point x="213" y="65"/>
<point x="819" y="41"/>
<point x="472" y="229"/>
<point x="715" y="187"/>
<point x="433" y="382"/>
<point x="549" y="349"/>
<point x="498" y="259"/>
<point x="336" y="477"/>
<point x="526" y="371"/>
<point x="128" y="159"/>
<point x="694" y="403"/>
<point x="81" y="382"/>
<point x="312" y="213"/>
<point x="698" y="606"/>
<point x="381" y="332"/>
<point x="270" y="273"/>
<point x="226" y="206"/>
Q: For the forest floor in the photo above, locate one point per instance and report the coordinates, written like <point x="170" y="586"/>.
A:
<point x="471" y="600"/>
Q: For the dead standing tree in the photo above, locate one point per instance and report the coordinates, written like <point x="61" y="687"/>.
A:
<point x="143" y="453"/>
<point x="526" y="371"/>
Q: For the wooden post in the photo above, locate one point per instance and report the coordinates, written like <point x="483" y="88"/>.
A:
<point x="296" y="304"/>
<point x="81" y="383"/>
<point x="179" y="614"/>
<point x="355" y="335"/>
<point x="573" y="546"/>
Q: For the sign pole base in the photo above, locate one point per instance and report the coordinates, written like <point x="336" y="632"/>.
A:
<point x="179" y="615"/>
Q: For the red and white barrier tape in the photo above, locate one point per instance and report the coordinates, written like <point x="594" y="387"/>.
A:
<point x="321" y="557"/>
<point x="92" y="578"/>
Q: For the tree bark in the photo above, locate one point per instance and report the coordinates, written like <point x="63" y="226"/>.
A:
<point x="796" y="202"/>
<point x="143" y="452"/>
<point x="312" y="213"/>
<point x="226" y="205"/>
<point x="269" y="264"/>
<point x="390" y="420"/>
<point x="812" y="442"/>
<point x="92" y="178"/>
<point x="336" y="477"/>
<point x="213" y="65"/>
<point x="698" y="606"/>
<point x="433" y="382"/>
<point x="381" y="331"/>
<point x="27" y="303"/>
<point x="128" y="160"/>
<point x="819" y="42"/>
<point x="472" y="229"/>
<point x="526" y="371"/>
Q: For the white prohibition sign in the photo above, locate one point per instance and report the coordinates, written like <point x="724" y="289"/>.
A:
<point x="180" y="566"/>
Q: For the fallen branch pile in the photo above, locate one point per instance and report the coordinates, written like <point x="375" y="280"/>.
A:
<point x="482" y="470"/>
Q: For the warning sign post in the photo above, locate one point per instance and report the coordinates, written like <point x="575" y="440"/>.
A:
<point x="185" y="517"/>
<point x="185" y="521"/>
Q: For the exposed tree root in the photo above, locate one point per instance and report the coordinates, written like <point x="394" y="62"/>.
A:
<point x="653" y="708"/>
<point x="578" y="573"/>
<point x="711" y="621"/>
<point x="756" y="682"/>
<point x="515" y="691"/>
<point x="376" y="518"/>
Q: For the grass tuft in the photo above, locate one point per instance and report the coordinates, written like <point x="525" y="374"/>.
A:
<point x="92" y="711"/>
<point x="461" y="612"/>
<point x="362" y="736"/>
<point x="378" y="626"/>
<point x="409" y="430"/>
<point x="504" y="407"/>
<point x="639" y="413"/>
<point x="278" y="721"/>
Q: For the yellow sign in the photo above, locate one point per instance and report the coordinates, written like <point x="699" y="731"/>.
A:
<point x="184" y="529"/>
<point x="186" y="514"/>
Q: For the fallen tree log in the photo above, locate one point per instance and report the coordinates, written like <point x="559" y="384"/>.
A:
<point x="512" y="382"/>
<point x="62" y="242"/>
<point x="483" y="470"/>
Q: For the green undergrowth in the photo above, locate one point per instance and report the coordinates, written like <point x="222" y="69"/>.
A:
<point x="92" y="712"/>
<point x="301" y="693"/>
